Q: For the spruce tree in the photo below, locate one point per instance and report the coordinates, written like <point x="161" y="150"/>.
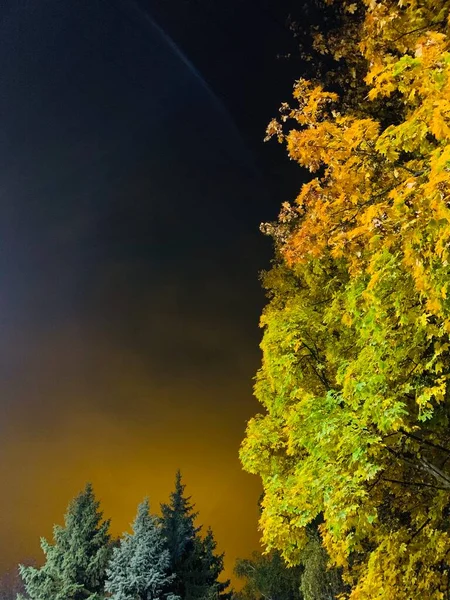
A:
<point x="76" y="562"/>
<point x="179" y="532"/>
<point x="139" y="566"/>
<point x="178" y="524"/>
<point x="193" y="558"/>
<point x="202" y="571"/>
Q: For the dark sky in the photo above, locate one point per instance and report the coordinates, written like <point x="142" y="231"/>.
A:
<point x="133" y="179"/>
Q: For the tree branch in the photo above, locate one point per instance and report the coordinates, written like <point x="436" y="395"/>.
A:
<point x="429" y="26"/>
<point x="426" y="442"/>
<point x="435" y="472"/>
<point x="419" y="530"/>
<point x="414" y="483"/>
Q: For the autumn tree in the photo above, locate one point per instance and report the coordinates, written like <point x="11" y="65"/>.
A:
<point x="75" y="566"/>
<point x="318" y="580"/>
<point x="356" y="350"/>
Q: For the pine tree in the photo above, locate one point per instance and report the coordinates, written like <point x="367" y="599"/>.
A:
<point x="139" y="566"/>
<point x="202" y="571"/>
<point x="76" y="563"/>
<point x="179" y="532"/>
<point x="178" y="523"/>
<point x="193" y="558"/>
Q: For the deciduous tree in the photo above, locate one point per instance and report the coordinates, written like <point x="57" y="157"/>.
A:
<point x="356" y="348"/>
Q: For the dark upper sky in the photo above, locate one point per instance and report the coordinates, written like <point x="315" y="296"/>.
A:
<point x="133" y="179"/>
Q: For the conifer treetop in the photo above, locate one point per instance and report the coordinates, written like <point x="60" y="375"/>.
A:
<point x="139" y="568"/>
<point x="76" y="561"/>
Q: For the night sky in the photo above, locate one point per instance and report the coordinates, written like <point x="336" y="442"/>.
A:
<point x="133" y="178"/>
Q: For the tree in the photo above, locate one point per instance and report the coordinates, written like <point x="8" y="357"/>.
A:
<point x="76" y="563"/>
<point x="193" y="558"/>
<point x="202" y="570"/>
<point x="356" y="348"/>
<point x="318" y="580"/>
<point x="267" y="577"/>
<point x="139" y="566"/>
<point x="213" y="567"/>
<point x="178" y="526"/>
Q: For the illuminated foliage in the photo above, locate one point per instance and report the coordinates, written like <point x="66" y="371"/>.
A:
<point x="356" y="349"/>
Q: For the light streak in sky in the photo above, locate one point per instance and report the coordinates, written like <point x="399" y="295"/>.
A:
<point x="140" y="17"/>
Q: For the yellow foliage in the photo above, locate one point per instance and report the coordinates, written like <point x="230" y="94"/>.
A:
<point x="356" y="350"/>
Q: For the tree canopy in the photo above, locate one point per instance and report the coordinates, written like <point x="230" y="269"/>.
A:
<point x="356" y="348"/>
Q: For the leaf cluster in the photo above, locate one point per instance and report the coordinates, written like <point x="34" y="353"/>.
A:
<point x="356" y="364"/>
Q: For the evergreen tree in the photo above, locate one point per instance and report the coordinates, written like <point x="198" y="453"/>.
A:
<point x="193" y="558"/>
<point x="139" y="566"/>
<point x="179" y="532"/>
<point x="76" y="563"/>
<point x="202" y="570"/>
<point x="213" y="565"/>
<point x="178" y="524"/>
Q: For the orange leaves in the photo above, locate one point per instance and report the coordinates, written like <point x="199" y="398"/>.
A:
<point x="361" y="201"/>
<point x="312" y="100"/>
<point x="333" y="214"/>
<point x="356" y="350"/>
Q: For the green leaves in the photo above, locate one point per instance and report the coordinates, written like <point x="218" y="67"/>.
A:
<point x="356" y="361"/>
